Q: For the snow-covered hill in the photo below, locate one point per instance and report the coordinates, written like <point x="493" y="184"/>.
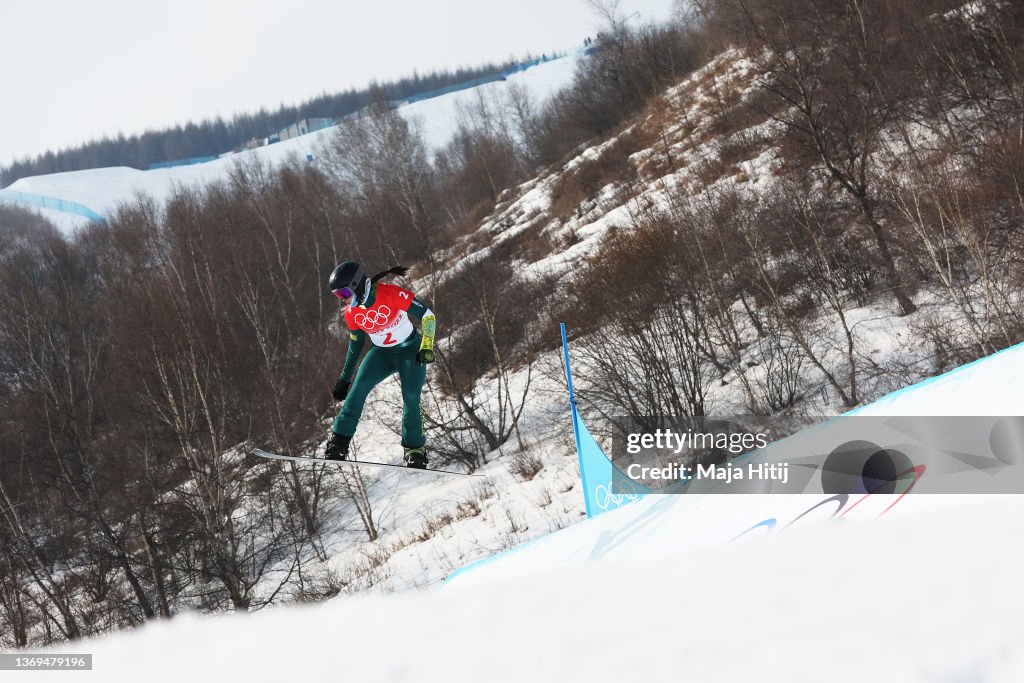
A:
<point x="103" y="189"/>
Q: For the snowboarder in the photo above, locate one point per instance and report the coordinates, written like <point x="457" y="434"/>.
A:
<point x="384" y="313"/>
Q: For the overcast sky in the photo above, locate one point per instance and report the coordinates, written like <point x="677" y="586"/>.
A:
<point x="75" y="70"/>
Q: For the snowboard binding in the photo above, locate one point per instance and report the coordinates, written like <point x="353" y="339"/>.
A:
<point x="337" y="447"/>
<point x="416" y="458"/>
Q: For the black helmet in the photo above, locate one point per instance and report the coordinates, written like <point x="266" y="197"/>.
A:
<point x="348" y="280"/>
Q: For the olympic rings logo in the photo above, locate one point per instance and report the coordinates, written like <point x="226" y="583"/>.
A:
<point x="606" y="500"/>
<point x="373" y="318"/>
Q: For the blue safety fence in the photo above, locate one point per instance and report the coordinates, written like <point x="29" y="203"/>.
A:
<point x="530" y="63"/>
<point x="182" y="162"/>
<point x="41" y="202"/>
<point x="465" y="85"/>
<point x="320" y="125"/>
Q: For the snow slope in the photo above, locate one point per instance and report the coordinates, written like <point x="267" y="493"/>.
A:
<point x="664" y="590"/>
<point x="103" y="189"/>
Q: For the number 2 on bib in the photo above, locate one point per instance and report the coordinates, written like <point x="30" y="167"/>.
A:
<point x="389" y="340"/>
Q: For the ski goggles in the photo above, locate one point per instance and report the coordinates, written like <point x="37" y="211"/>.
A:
<point x="344" y="293"/>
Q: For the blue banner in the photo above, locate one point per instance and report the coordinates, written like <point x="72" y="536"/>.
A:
<point x="42" y="202"/>
<point x="596" y="469"/>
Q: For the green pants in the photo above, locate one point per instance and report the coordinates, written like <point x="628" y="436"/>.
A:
<point x="378" y="365"/>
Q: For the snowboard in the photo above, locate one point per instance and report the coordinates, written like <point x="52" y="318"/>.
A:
<point x="300" y="458"/>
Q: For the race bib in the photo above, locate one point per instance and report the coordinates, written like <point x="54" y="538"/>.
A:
<point x="387" y="321"/>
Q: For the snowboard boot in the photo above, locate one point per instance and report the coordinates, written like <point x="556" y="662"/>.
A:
<point x="337" y="447"/>
<point x="416" y="457"/>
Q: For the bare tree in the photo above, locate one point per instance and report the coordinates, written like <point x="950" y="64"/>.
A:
<point x="356" y="489"/>
<point x="650" y="356"/>
<point x="788" y="252"/>
<point x="382" y="159"/>
<point x="15" y="607"/>
<point x="825" y="59"/>
<point x="54" y="592"/>
<point x="474" y="405"/>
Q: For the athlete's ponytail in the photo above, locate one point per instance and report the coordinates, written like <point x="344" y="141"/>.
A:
<point x="397" y="270"/>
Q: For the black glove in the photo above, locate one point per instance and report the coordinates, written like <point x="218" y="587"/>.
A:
<point x="424" y="356"/>
<point x="340" y="390"/>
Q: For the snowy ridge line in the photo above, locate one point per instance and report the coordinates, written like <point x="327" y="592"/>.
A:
<point x="38" y="201"/>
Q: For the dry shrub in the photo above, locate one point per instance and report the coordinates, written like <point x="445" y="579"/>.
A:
<point x="738" y="148"/>
<point x="751" y="109"/>
<point x="707" y="171"/>
<point x="431" y="525"/>
<point x="525" y="465"/>
<point x="469" y="507"/>
<point x="531" y="244"/>
<point x="468" y="223"/>
<point x="584" y="182"/>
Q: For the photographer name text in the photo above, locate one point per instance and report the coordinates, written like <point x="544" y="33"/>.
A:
<point x="721" y="473"/>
